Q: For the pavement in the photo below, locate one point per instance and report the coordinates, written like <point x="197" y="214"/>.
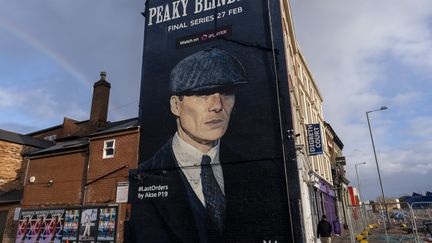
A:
<point x="395" y="234"/>
<point x="343" y="238"/>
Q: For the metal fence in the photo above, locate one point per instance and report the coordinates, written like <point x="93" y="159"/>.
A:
<point x="422" y="220"/>
<point x="392" y="222"/>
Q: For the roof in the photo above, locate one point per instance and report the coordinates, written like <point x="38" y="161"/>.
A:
<point x="44" y="130"/>
<point x="82" y="142"/>
<point x="336" y="138"/>
<point x="117" y="126"/>
<point x="24" y="139"/>
<point x="64" y="146"/>
<point x="11" y="196"/>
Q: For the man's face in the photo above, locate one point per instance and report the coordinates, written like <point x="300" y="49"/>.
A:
<point x="203" y="119"/>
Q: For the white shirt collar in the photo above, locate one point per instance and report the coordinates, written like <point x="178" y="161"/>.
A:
<point x="189" y="160"/>
<point x="187" y="155"/>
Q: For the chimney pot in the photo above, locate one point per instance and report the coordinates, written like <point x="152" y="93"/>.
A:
<point x="102" y="75"/>
<point x="100" y="100"/>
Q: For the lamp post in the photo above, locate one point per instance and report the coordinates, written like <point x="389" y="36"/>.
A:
<point x="361" y="206"/>
<point x="378" y="170"/>
<point x="358" y="181"/>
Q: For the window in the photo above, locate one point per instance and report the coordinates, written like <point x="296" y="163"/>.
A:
<point x="51" y="137"/>
<point x="109" y="148"/>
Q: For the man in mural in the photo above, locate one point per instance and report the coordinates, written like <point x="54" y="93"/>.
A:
<point x="189" y="192"/>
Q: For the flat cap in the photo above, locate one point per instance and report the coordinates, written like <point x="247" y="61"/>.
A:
<point x="206" y="70"/>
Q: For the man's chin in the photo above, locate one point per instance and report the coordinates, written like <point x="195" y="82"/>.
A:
<point x="210" y="139"/>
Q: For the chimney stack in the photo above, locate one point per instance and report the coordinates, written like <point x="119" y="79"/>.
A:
<point x="100" y="101"/>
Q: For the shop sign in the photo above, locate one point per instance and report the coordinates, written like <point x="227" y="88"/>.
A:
<point x="314" y="139"/>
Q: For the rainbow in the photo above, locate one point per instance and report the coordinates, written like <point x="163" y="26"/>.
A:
<point x="45" y="50"/>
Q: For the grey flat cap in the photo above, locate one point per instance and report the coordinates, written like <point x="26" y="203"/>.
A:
<point x="206" y="70"/>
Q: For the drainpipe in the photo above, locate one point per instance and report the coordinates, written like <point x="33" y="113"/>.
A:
<point x="85" y="175"/>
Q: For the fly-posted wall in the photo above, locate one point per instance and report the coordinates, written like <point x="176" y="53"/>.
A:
<point x="214" y="83"/>
<point x="73" y="225"/>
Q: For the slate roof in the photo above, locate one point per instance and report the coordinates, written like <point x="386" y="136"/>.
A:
<point x="11" y="196"/>
<point x="63" y="146"/>
<point x="118" y="126"/>
<point x="76" y="143"/>
<point x="24" y="139"/>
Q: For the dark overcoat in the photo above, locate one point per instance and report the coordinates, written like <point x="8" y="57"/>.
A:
<point x="256" y="204"/>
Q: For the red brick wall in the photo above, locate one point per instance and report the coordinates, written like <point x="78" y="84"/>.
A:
<point x="11" y="225"/>
<point x="126" y="153"/>
<point x="66" y="171"/>
<point x="104" y="191"/>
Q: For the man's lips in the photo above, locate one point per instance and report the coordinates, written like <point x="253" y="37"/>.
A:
<point x="215" y="122"/>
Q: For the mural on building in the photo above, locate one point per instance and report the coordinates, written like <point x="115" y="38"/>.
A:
<point x="211" y="153"/>
<point x="67" y="225"/>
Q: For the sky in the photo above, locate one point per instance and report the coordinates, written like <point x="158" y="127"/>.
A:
<point x="362" y="54"/>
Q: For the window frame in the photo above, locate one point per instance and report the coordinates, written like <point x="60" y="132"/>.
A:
<point x="106" y="148"/>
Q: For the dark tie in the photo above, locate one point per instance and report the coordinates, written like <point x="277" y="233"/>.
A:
<point x="213" y="196"/>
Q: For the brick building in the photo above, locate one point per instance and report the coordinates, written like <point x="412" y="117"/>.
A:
<point x="77" y="188"/>
<point x="338" y="163"/>
<point x="13" y="147"/>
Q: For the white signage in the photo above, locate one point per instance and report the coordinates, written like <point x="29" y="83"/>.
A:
<point x="122" y="192"/>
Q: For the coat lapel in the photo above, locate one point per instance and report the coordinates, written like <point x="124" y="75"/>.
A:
<point x="175" y="209"/>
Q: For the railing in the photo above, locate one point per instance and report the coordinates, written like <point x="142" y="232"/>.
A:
<point x="402" y="222"/>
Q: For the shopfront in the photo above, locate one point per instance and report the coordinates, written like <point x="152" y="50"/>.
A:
<point x="328" y="200"/>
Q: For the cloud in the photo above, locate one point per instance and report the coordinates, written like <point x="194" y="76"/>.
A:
<point x="8" y="98"/>
<point x="365" y="54"/>
<point x="36" y="105"/>
<point x="421" y="128"/>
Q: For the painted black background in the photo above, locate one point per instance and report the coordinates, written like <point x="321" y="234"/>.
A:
<point x="254" y="128"/>
<point x="256" y="131"/>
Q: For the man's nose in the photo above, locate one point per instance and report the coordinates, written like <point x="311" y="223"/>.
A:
<point x="215" y="102"/>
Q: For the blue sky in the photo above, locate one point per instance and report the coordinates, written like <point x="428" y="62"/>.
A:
<point x="52" y="52"/>
<point x="362" y="54"/>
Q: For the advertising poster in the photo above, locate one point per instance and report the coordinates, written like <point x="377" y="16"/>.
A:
<point x="107" y="224"/>
<point x="41" y="226"/>
<point x="211" y="156"/>
<point x="24" y="227"/>
<point x="70" y="225"/>
<point x="88" y="229"/>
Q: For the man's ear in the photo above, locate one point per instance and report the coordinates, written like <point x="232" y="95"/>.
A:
<point x="174" y="104"/>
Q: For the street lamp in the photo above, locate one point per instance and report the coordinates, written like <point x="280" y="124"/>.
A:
<point x="358" y="181"/>
<point x="362" y="213"/>
<point x="378" y="170"/>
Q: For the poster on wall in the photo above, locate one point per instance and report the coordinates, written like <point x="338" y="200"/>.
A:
<point x="67" y="225"/>
<point x="41" y="226"/>
<point x="88" y="225"/>
<point x="107" y="224"/>
<point x="211" y="163"/>
<point x="70" y="225"/>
